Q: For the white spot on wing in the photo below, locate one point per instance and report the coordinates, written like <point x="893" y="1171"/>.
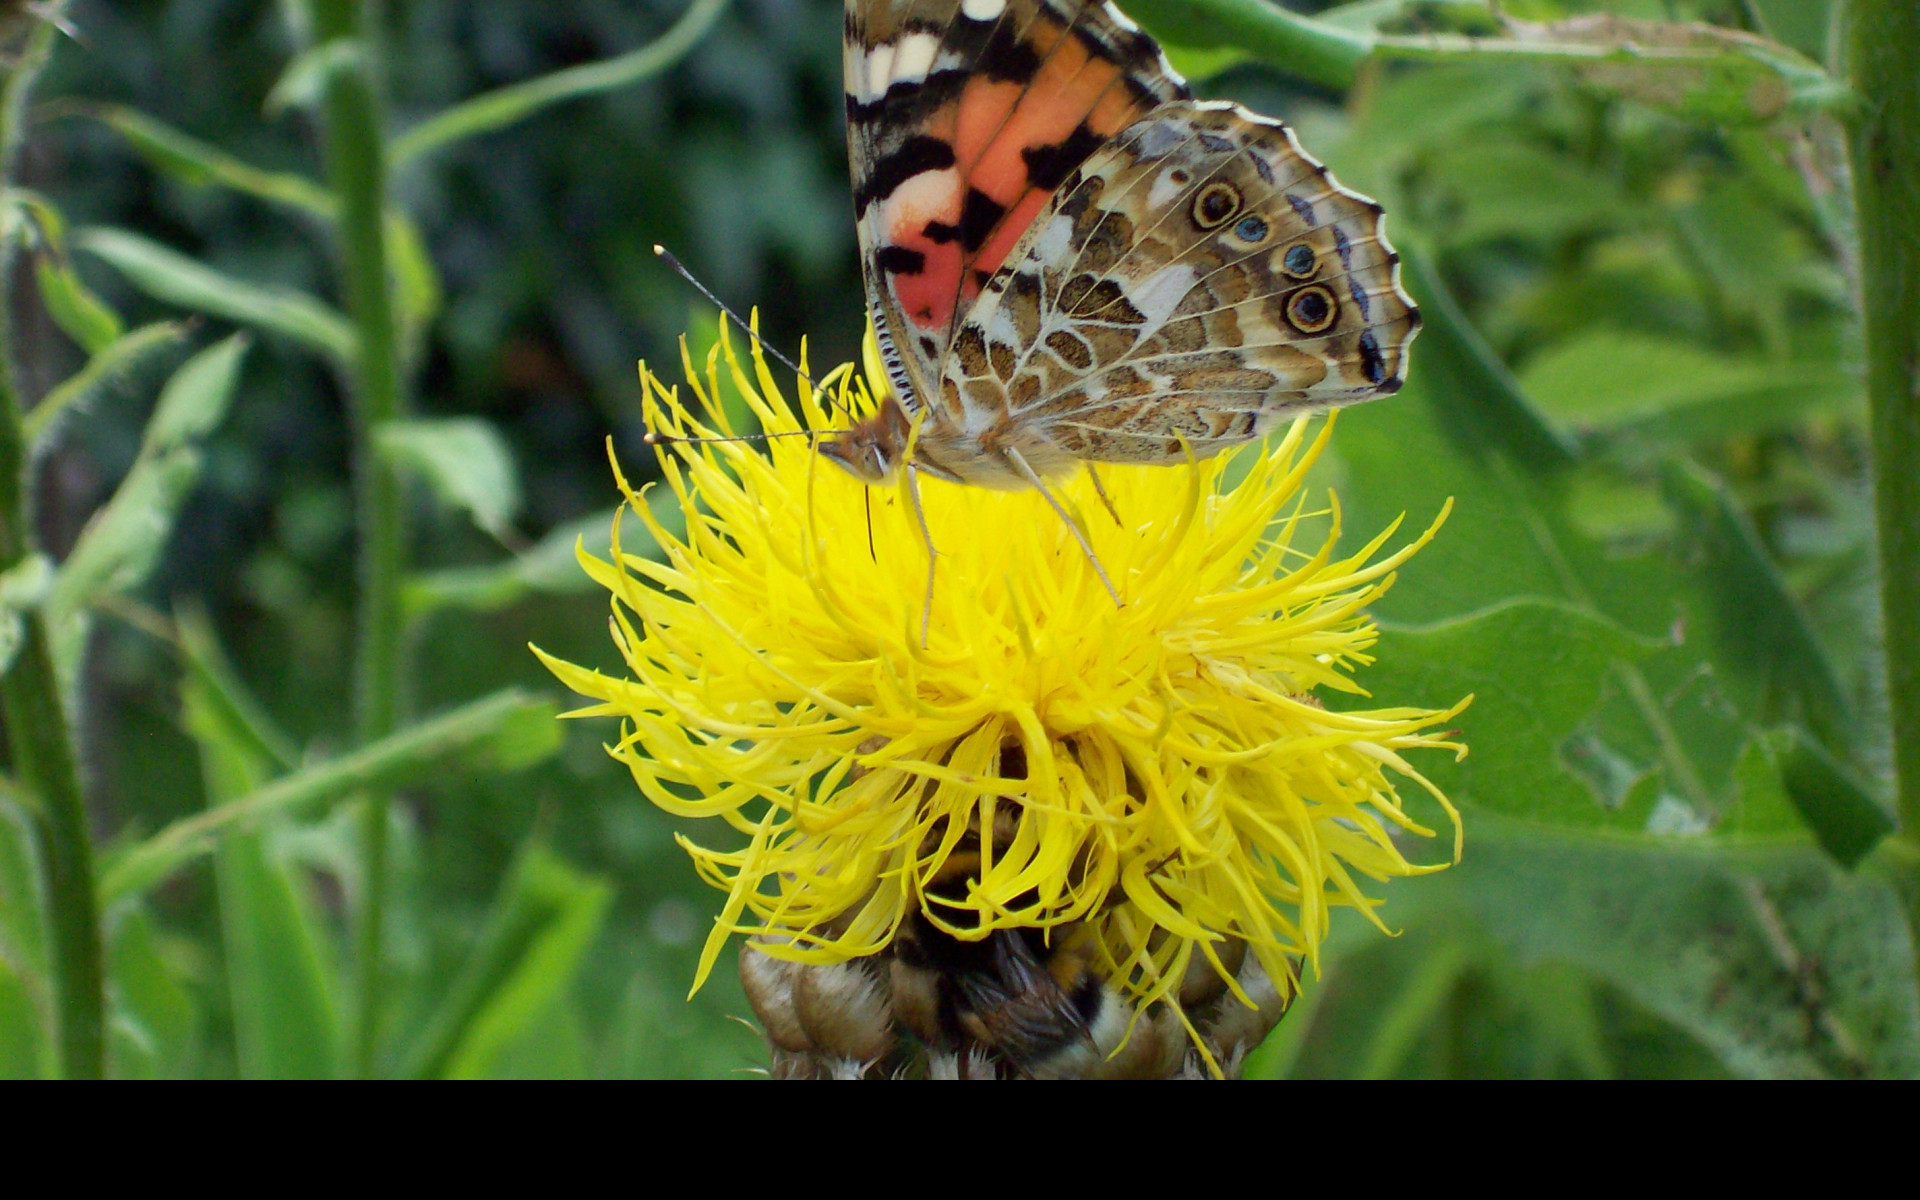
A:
<point x="878" y="70"/>
<point x="1054" y="242"/>
<point x="982" y="10"/>
<point x="1158" y="294"/>
<point x="928" y="196"/>
<point x="913" y="57"/>
<point x="1164" y="190"/>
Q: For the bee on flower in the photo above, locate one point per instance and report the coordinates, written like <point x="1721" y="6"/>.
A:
<point x="1056" y="836"/>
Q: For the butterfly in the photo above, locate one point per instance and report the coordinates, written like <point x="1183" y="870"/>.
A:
<point x="1070" y="260"/>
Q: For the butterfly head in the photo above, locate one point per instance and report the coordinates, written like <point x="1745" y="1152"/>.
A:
<point x="873" y="450"/>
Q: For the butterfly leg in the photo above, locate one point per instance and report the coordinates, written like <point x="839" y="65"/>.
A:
<point x="1104" y="498"/>
<point x="1020" y="464"/>
<point x="933" y="555"/>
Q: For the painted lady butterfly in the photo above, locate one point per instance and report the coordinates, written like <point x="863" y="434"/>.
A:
<point x="1069" y="259"/>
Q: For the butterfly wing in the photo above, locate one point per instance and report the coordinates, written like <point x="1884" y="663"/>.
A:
<point x="1195" y="282"/>
<point x="963" y="117"/>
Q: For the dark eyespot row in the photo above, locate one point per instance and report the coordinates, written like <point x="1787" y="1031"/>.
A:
<point x="1312" y="310"/>
<point x="1298" y="261"/>
<point x="1251" y="230"/>
<point x="1216" y="204"/>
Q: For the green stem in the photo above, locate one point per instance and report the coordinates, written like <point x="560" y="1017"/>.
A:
<point x="1883" y="41"/>
<point x="356" y="172"/>
<point x="36" y="722"/>
<point x="1310" y="49"/>
<point x="516" y="102"/>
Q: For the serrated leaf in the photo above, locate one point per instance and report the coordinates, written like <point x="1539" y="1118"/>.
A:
<point x="110" y="365"/>
<point x="1680" y="716"/>
<point x="173" y="277"/>
<point x="125" y="539"/>
<point x="465" y="461"/>
<point x="80" y="314"/>
<point x="1535" y="671"/>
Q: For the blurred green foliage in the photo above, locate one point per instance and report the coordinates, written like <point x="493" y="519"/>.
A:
<point x="1640" y="385"/>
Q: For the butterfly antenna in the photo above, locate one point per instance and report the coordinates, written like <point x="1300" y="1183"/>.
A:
<point x="680" y="269"/>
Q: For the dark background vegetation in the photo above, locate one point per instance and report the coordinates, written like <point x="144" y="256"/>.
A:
<point x="1669" y="291"/>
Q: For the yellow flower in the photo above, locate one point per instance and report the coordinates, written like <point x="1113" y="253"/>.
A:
<point x="1172" y="778"/>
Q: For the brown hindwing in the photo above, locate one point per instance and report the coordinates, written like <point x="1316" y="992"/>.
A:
<point x="1194" y="283"/>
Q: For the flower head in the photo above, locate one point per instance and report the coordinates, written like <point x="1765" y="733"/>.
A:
<point x="1162" y="773"/>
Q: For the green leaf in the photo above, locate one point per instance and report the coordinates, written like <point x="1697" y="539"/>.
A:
<point x="196" y="399"/>
<point x="1762" y="809"/>
<point x="1512" y="190"/>
<point x="1429" y="988"/>
<point x="23" y="1052"/>
<point x="173" y="277"/>
<point x="491" y="730"/>
<point x="77" y="311"/>
<point x="416" y="282"/>
<point x="110" y="365"/>
<point x="550" y="566"/>
<point x="1487" y="406"/>
<point x="193" y="161"/>
<point x="1535" y="670"/>
<point x="544" y="920"/>
<point x="229" y="705"/>
<point x="465" y="461"/>
<point x="1651" y="389"/>
<point x="1846" y="818"/>
<point x="125" y="539"/>
<point x="32" y="218"/>
<point x="1802" y="24"/>
<point x="305" y="79"/>
<point x="286" y="1024"/>
<point x="23" y="587"/>
<point x="286" y="1021"/>
<point x="1676" y="719"/>
<point x="1747" y="614"/>
<point x="1780" y="964"/>
<point x="151" y="1020"/>
<point x="509" y="105"/>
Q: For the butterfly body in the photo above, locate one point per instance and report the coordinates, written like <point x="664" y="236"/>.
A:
<point x="1069" y="259"/>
